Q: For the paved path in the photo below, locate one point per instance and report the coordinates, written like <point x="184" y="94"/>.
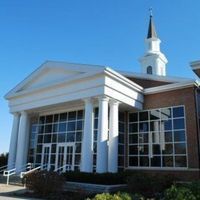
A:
<point x="7" y="192"/>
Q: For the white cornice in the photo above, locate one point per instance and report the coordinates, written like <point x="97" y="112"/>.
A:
<point x="95" y="70"/>
<point x="123" y="79"/>
<point x="53" y="85"/>
<point x="79" y="78"/>
<point x="53" y="64"/>
<point x="169" y="87"/>
<point x="195" y="64"/>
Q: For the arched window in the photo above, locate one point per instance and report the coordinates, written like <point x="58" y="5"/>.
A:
<point x="149" y="70"/>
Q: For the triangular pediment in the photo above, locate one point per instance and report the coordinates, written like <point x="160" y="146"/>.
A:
<point x="50" y="76"/>
<point x="51" y="73"/>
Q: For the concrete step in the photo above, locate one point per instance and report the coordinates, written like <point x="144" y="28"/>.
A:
<point x="14" y="180"/>
<point x="2" y="179"/>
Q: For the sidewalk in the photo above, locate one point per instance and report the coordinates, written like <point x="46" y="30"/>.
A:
<point x="7" y="192"/>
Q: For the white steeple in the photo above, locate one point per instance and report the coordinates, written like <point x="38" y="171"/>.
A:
<point x="154" y="61"/>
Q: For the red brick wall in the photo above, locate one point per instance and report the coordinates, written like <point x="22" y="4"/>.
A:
<point x="177" y="175"/>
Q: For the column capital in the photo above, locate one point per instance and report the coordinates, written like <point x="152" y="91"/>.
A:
<point x="114" y="102"/>
<point x="15" y="114"/>
<point x="103" y="98"/>
<point x="88" y="100"/>
<point x="24" y="112"/>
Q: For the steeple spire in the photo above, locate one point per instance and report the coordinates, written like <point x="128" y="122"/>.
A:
<point x="154" y="61"/>
<point x="151" y="29"/>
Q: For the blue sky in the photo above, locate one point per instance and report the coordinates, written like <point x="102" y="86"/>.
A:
<point x="105" y="32"/>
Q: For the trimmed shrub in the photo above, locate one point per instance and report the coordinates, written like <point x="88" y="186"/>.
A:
<point x="195" y="189"/>
<point x="44" y="182"/>
<point x="179" y="193"/>
<point x="118" y="196"/>
<point x="148" y="185"/>
<point x="104" y="178"/>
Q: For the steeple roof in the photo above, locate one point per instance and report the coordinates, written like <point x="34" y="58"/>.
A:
<point x="151" y="29"/>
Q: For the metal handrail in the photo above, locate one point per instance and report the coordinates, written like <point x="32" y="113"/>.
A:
<point x="3" y="168"/>
<point x="64" y="166"/>
<point x="11" y="172"/>
<point x="22" y="174"/>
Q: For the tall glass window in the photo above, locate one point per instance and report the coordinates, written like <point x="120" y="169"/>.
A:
<point x="59" y="128"/>
<point x="32" y="142"/>
<point x="95" y="135"/>
<point x="157" y="138"/>
<point x="121" y="139"/>
<point x="51" y="130"/>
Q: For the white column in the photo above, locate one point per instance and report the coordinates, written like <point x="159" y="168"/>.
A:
<point x="87" y="143"/>
<point x="21" y="156"/>
<point x="102" y="148"/>
<point x="113" y="137"/>
<point x="13" y="141"/>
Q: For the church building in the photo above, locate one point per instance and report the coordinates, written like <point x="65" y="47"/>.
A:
<point x="91" y="118"/>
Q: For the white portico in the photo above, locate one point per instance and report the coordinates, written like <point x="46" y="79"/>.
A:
<point x="56" y="87"/>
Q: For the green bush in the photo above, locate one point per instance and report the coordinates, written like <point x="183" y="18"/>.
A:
<point x="118" y="196"/>
<point x="179" y="193"/>
<point x="104" y="178"/>
<point x="44" y="183"/>
<point x="149" y="185"/>
<point x="195" y="189"/>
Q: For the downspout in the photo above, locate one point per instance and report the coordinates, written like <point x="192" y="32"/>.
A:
<point x="197" y="121"/>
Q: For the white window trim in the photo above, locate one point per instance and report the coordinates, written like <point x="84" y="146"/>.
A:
<point x="173" y="155"/>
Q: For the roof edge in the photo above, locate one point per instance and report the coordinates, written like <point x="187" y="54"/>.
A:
<point x="170" y="87"/>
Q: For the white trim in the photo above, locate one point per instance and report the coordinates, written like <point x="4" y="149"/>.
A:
<point x="186" y="136"/>
<point x="195" y="64"/>
<point x="79" y="78"/>
<point x="61" y="110"/>
<point x="91" y="84"/>
<point x="164" y="169"/>
<point x="52" y="85"/>
<point x="169" y="87"/>
<point x="44" y="145"/>
<point x="53" y="64"/>
<point x="65" y="145"/>
<point x="123" y="79"/>
<point x="173" y="142"/>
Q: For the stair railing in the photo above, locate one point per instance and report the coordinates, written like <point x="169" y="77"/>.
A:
<point x="67" y="167"/>
<point x="11" y="172"/>
<point x="43" y="167"/>
<point x="5" y="167"/>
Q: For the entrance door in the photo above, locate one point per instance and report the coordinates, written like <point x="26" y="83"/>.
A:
<point x="65" y="157"/>
<point x="46" y="156"/>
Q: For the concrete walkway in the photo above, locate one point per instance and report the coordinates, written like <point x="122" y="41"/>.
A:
<point x="11" y="192"/>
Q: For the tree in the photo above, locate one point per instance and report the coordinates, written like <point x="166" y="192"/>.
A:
<point x="3" y="159"/>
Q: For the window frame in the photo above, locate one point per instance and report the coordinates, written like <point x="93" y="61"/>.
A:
<point x="173" y="142"/>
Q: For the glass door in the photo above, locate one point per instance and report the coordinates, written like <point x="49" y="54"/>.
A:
<point x="46" y="156"/>
<point x="65" y="157"/>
